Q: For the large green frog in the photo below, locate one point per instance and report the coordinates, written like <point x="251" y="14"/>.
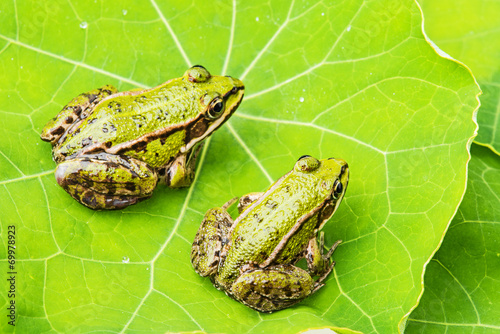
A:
<point x="112" y="148"/>
<point x="253" y="257"/>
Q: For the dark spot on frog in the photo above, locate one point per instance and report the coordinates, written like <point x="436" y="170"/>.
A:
<point x="139" y="146"/>
<point x="260" y="302"/>
<point x="157" y="154"/>
<point x="161" y="171"/>
<point x="197" y="130"/>
<point x="59" y="130"/>
<point x="77" y="131"/>
<point x="89" y="199"/>
<point x="92" y="120"/>
<point x="108" y="144"/>
<point x="327" y="212"/>
<point x="256" y="216"/>
<point x="91" y="97"/>
<point x="162" y="141"/>
<point x="130" y="187"/>
<point x="270" y="204"/>
<point x="87" y="141"/>
<point x="105" y="130"/>
<point x="112" y="128"/>
<point x="77" y="110"/>
<point x="68" y="120"/>
<point x="110" y="187"/>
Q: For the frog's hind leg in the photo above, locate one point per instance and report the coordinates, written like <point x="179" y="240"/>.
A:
<point x="211" y="237"/>
<point x="273" y="288"/>
<point x="74" y="111"/>
<point x="106" y="181"/>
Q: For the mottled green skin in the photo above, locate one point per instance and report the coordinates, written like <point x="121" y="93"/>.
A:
<point x="272" y="233"/>
<point x="156" y="129"/>
<point x="127" y="116"/>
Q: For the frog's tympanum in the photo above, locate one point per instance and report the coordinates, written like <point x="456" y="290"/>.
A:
<point x="112" y="148"/>
<point x="253" y="257"/>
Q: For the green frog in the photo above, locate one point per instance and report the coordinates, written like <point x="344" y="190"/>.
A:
<point x="253" y="257"/>
<point x="112" y="148"/>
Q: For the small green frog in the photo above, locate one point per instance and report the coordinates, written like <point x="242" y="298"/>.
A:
<point x="252" y="258"/>
<point x="113" y="148"/>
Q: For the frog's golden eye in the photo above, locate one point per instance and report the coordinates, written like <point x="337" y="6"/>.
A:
<point x="216" y="108"/>
<point x="338" y="187"/>
<point x="197" y="73"/>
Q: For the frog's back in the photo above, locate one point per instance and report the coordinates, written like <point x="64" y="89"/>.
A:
<point x="124" y="118"/>
<point x="266" y="224"/>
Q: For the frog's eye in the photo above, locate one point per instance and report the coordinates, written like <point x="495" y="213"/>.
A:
<point x="197" y="73"/>
<point x="306" y="163"/>
<point x="216" y="108"/>
<point x="338" y="187"/>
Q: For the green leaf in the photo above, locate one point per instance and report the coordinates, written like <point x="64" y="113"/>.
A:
<point x="461" y="282"/>
<point x="469" y="30"/>
<point x="348" y="79"/>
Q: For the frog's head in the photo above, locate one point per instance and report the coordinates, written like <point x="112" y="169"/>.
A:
<point x="332" y="178"/>
<point x="218" y="98"/>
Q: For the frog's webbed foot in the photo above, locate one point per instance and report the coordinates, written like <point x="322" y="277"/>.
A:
<point x="318" y="263"/>
<point x="180" y="172"/>
<point x="273" y="288"/>
<point x="106" y="181"/>
<point x="75" y="110"/>
<point x="246" y="200"/>
<point x="210" y="238"/>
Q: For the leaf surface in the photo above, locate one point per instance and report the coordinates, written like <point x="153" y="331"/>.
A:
<point x="469" y="31"/>
<point x="461" y="281"/>
<point x="350" y="79"/>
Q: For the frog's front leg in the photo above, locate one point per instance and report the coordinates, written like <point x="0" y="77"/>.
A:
<point x="106" y="181"/>
<point x="273" y="288"/>
<point x="318" y="263"/>
<point x="75" y="110"/>
<point x="180" y="173"/>
<point x="210" y="238"/>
